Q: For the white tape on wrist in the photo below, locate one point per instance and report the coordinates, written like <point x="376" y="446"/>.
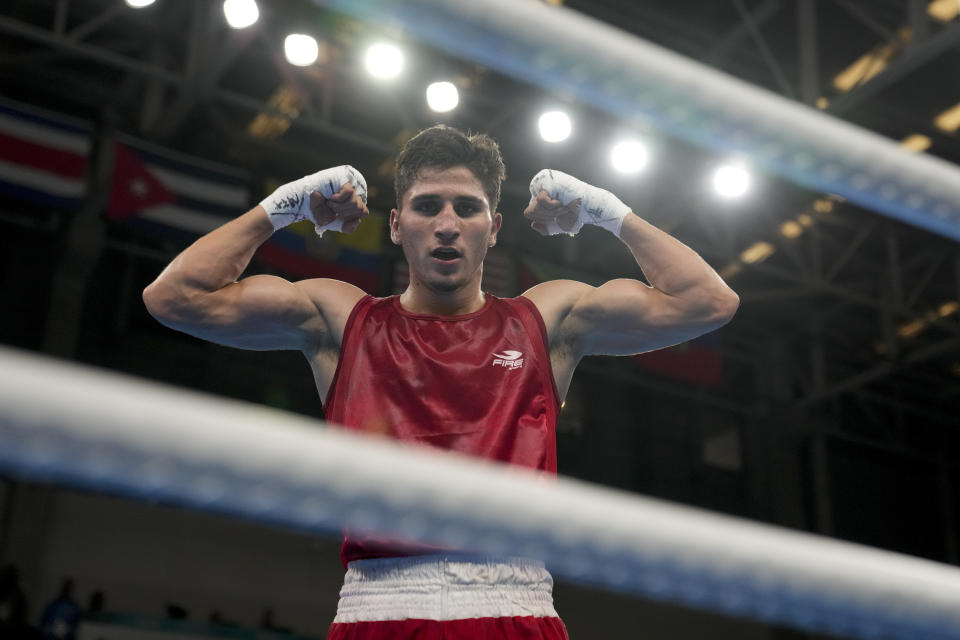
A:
<point x="597" y="206"/>
<point x="291" y="202"/>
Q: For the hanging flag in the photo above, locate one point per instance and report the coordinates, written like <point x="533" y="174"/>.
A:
<point x="173" y="193"/>
<point x="698" y="361"/>
<point x="350" y="257"/>
<point x="43" y="157"/>
<point x="167" y="192"/>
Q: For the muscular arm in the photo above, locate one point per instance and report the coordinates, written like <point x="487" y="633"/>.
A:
<point x="686" y="298"/>
<point x="199" y="294"/>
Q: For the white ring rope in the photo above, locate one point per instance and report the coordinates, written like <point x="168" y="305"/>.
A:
<point x="572" y="54"/>
<point x="99" y="430"/>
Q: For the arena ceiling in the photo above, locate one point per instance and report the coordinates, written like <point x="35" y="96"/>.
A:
<point x="845" y="314"/>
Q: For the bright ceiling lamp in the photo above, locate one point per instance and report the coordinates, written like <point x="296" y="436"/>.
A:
<point x="384" y="60"/>
<point x="949" y="120"/>
<point x="555" y="126"/>
<point x="917" y="142"/>
<point x="240" y="14"/>
<point x="629" y="156"/>
<point x="442" y="96"/>
<point x="944" y="10"/>
<point x="731" y="181"/>
<point x="301" y="50"/>
<point x="139" y="4"/>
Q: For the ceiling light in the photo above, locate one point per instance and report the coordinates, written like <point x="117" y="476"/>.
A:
<point x="139" y="4"/>
<point x="949" y="120"/>
<point x="384" y="60"/>
<point x="823" y="205"/>
<point x="240" y="14"/>
<point x="916" y="142"/>
<point x="555" y="126"/>
<point x="948" y="308"/>
<point x="757" y="252"/>
<point x="442" y="96"/>
<point x="912" y="328"/>
<point x="791" y="229"/>
<point x="943" y="10"/>
<point x="731" y="181"/>
<point x="629" y="156"/>
<point x="302" y="50"/>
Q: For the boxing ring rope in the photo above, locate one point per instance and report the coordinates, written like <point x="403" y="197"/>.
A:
<point x="93" y="429"/>
<point x="572" y="54"/>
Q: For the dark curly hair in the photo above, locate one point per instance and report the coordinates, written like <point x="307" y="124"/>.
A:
<point x="444" y="147"/>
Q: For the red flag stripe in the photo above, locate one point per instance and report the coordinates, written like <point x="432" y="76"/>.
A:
<point x="39" y="156"/>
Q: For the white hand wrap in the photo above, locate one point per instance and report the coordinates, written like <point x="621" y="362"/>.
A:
<point x="291" y="202"/>
<point x="597" y="206"/>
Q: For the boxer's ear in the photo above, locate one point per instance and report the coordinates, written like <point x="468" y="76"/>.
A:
<point x="395" y="226"/>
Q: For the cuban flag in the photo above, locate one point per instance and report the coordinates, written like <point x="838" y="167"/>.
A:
<point x="173" y="193"/>
<point x="43" y="157"/>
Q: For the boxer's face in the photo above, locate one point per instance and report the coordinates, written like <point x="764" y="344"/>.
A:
<point x="445" y="227"/>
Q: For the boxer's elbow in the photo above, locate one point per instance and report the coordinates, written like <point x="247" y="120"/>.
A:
<point x="723" y="306"/>
<point x="168" y="304"/>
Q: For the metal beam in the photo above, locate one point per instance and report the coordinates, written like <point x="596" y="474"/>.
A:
<point x="765" y="52"/>
<point x="881" y="371"/>
<point x="912" y="59"/>
<point x="808" y="52"/>
<point x="177" y="79"/>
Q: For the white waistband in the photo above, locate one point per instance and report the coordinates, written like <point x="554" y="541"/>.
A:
<point x="444" y="587"/>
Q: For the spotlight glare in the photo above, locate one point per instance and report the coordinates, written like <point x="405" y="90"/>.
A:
<point x="302" y="50"/>
<point x="240" y="14"/>
<point x="731" y="181"/>
<point x="442" y="96"/>
<point x="384" y="60"/>
<point x="554" y="126"/>
<point x="139" y="4"/>
<point x="629" y="156"/>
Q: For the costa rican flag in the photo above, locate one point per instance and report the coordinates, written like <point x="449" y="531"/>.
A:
<point x="43" y="157"/>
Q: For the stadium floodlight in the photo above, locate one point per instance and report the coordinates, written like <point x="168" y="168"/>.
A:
<point x="629" y="156"/>
<point x="240" y="14"/>
<point x="442" y="96"/>
<point x="384" y="60"/>
<point x="731" y="180"/>
<point x="139" y="4"/>
<point x="301" y="50"/>
<point x="555" y="126"/>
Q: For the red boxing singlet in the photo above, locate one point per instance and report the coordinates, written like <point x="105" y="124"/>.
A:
<point x="479" y="384"/>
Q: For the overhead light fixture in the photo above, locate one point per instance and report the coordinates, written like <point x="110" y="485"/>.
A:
<point x="943" y="10"/>
<point x="442" y="96"/>
<point x="823" y="205"/>
<point x="384" y="60"/>
<point x="791" y="229"/>
<point x="629" y="156"/>
<point x="757" y="252"/>
<point x="948" y="308"/>
<point x="139" y="4"/>
<point x="301" y="50"/>
<point x="912" y="328"/>
<point x="917" y="142"/>
<point x="731" y="181"/>
<point x="555" y="126"/>
<point x="949" y="120"/>
<point x="871" y="64"/>
<point x="240" y="14"/>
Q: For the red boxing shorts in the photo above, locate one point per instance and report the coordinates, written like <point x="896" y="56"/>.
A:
<point x="446" y="597"/>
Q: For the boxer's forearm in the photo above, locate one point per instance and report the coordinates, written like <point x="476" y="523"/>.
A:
<point x="213" y="261"/>
<point x="671" y="266"/>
